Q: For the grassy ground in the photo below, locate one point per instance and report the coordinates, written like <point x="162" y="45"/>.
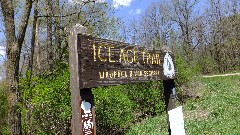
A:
<point x="216" y="112"/>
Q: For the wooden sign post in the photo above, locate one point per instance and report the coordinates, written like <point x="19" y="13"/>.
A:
<point x="100" y="62"/>
<point x="83" y="115"/>
<point x="169" y="97"/>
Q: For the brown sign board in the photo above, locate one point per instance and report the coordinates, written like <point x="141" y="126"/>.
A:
<point x="104" y="62"/>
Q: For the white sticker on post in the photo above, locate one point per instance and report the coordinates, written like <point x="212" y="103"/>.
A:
<point x="168" y="66"/>
<point x="176" y="121"/>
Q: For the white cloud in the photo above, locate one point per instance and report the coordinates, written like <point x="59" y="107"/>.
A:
<point x="135" y="12"/>
<point x="2" y="48"/>
<point x="138" y="11"/>
<point x="2" y="53"/>
<point x="118" y="3"/>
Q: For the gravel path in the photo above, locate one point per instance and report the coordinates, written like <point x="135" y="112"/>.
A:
<point x="207" y="76"/>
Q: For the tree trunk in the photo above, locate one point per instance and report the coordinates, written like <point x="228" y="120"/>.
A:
<point x="49" y="34"/>
<point x="14" y="45"/>
<point x="58" y="31"/>
<point x="37" y="49"/>
<point x="33" y="40"/>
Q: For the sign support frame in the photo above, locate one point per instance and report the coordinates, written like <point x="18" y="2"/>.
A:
<point x="82" y="99"/>
<point x="78" y="95"/>
<point x="170" y="98"/>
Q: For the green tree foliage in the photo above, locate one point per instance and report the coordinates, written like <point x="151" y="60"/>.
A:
<point x="3" y="108"/>
<point x="45" y="103"/>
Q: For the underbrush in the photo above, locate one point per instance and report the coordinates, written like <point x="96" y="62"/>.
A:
<point x="46" y="108"/>
<point x="45" y="105"/>
<point x="3" y="108"/>
<point x="45" y="102"/>
<point x="120" y="107"/>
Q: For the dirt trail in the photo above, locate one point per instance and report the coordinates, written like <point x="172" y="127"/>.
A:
<point x="207" y="76"/>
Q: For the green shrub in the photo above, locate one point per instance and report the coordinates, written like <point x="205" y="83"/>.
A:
<point x="185" y="72"/>
<point x="118" y="107"/>
<point x="114" y="110"/>
<point x="45" y="104"/>
<point x="148" y="98"/>
<point x="208" y="65"/>
<point x="3" y="108"/>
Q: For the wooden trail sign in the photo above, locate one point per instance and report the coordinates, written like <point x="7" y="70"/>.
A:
<point x="105" y="62"/>
<point x="101" y="62"/>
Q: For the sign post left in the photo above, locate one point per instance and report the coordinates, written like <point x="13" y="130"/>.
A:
<point x="82" y="100"/>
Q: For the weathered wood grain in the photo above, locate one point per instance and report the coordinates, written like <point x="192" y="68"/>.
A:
<point x="105" y="62"/>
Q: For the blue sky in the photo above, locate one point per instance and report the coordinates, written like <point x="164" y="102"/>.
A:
<point x="128" y="9"/>
<point x="2" y="55"/>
